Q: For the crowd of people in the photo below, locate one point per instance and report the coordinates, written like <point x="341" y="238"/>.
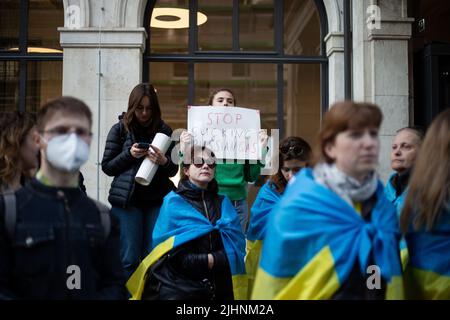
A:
<point x="324" y="226"/>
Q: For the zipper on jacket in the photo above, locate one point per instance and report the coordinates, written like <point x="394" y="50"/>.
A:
<point x="207" y="215"/>
<point x="63" y="197"/>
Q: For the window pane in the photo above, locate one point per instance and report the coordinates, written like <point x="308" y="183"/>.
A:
<point x="302" y="101"/>
<point x="301" y="28"/>
<point x="217" y="32"/>
<point x="164" y="39"/>
<point x="9" y="24"/>
<point x="170" y="80"/>
<point x="257" y="89"/>
<point x="256" y="25"/>
<point x="44" y="17"/>
<point x="9" y="85"/>
<point x="44" y="82"/>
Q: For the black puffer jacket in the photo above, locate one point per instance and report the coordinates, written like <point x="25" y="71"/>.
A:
<point x="119" y="163"/>
<point x="191" y="259"/>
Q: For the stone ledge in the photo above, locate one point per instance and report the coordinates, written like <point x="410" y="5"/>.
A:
<point x="392" y="30"/>
<point x="334" y="42"/>
<point x="110" y="38"/>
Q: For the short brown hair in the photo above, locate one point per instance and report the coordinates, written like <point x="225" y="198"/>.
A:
<point x="342" y="116"/>
<point x="68" y="105"/>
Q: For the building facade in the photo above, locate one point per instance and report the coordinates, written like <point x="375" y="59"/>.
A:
<point x="290" y="59"/>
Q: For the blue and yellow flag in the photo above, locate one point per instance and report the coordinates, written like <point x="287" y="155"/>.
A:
<point x="178" y="223"/>
<point x="427" y="275"/>
<point x="314" y="239"/>
<point x="267" y="198"/>
<point x="398" y="202"/>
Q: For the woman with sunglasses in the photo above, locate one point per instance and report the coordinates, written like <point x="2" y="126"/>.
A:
<point x="127" y="145"/>
<point x="294" y="154"/>
<point x="334" y="235"/>
<point x="199" y="245"/>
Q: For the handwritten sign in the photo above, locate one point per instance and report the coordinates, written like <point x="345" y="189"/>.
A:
<point x="230" y="132"/>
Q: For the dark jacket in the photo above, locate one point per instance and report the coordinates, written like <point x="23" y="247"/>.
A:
<point x="191" y="259"/>
<point x="57" y="228"/>
<point x="119" y="163"/>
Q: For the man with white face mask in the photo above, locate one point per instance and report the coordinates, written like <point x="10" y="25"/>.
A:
<point x="63" y="245"/>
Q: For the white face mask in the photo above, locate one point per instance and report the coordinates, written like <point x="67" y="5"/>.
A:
<point x="67" y="152"/>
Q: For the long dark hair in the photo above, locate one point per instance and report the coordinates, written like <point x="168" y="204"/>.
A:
<point x="136" y="95"/>
<point x="15" y="127"/>
<point x="429" y="189"/>
<point x="290" y="148"/>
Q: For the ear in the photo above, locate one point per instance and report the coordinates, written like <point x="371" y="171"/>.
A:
<point x="330" y="150"/>
<point x="186" y="171"/>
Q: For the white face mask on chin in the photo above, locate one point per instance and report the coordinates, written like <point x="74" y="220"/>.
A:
<point x="67" y="152"/>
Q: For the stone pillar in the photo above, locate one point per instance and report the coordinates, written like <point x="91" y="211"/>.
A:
<point x="390" y="73"/>
<point x="335" y="54"/>
<point x="101" y="65"/>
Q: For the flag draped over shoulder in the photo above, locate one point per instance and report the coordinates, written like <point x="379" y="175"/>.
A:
<point x="178" y="222"/>
<point x="266" y="200"/>
<point x="314" y="238"/>
<point x="398" y="202"/>
<point x="427" y="275"/>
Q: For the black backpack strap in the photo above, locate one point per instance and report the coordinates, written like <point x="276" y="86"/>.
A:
<point x="9" y="198"/>
<point x="104" y="217"/>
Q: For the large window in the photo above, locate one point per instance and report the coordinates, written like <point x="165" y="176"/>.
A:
<point x="30" y="54"/>
<point x="269" y="52"/>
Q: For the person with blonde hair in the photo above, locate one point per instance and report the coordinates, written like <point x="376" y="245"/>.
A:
<point x="18" y="149"/>
<point x="334" y="235"/>
<point x="426" y="216"/>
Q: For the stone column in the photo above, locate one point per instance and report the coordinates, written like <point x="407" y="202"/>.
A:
<point x="101" y="65"/>
<point x="388" y="76"/>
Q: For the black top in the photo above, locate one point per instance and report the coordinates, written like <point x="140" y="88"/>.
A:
<point x="119" y="163"/>
<point x="57" y="228"/>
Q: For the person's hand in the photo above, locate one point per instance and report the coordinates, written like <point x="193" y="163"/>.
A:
<point x="136" y="152"/>
<point x="156" y="156"/>
<point x="185" y="141"/>
<point x="263" y="138"/>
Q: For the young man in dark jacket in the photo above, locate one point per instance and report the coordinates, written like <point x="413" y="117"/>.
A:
<point x="61" y="244"/>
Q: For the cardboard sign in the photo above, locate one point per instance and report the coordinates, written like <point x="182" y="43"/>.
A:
<point x="230" y="132"/>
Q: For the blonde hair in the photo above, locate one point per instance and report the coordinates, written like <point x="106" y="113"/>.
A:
<point x="429" y="188"/>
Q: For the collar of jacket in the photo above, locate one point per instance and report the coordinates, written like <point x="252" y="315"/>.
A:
<point x="191" y="191"/>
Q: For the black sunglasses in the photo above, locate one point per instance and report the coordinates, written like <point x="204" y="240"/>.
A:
<point x="198" y="163"/>
<point x="296" y="150"/>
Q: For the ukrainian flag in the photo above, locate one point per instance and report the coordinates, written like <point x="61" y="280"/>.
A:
<point x="267" y="198"/>
<point x="314" y="238"/>
<point x="427" y="275"/>
<point x="398" y="202"/>
<point x="178" y="223"/>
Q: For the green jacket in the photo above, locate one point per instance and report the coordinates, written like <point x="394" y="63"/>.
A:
<point x="232" y="178"/>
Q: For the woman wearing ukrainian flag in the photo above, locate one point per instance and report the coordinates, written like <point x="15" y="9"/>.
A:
<point x="199" y="244"/>
<point x="294" y="154"/>
<point x="426" y="216"/>
<point x="334" y="235"/>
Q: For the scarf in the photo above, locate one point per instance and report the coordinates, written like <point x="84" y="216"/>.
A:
<point x="348" y="188"/>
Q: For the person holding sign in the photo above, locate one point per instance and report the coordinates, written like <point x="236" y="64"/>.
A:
<point x="233" y="177"/>
<point x="294" y="155"/>
<point x="128" y="143"/>
<point x="334" y="235"/>
<point x="199" y="245"/>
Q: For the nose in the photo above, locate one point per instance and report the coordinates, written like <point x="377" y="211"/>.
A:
<point x="370" y="141"/>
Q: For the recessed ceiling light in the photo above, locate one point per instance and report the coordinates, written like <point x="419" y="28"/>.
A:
<point x="173" y="18"/>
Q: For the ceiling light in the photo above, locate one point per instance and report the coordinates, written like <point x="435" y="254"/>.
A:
<point x="173" y="18"/>
<point x="38" y="50"/>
